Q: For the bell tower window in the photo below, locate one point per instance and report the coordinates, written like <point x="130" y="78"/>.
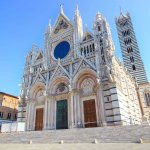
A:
<point x="99" y="28"/>
<point x="133" y="67"/>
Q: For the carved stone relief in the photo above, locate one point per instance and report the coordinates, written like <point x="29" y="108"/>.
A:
<point x="61" y="89"/>
<point x="39" y="96"/>
<point x="87" y="86"/>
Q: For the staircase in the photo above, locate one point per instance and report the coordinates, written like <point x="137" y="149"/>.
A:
<point x="113" y="134"/>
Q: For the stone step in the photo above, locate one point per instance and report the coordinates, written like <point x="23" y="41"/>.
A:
<point x="120" y="134"/>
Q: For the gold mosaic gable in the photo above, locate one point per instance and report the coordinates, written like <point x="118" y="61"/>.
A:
<point x="62" y="24"/>
<point x="40" y="56"/>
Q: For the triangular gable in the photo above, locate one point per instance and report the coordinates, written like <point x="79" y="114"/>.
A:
<point x="61" y="24"/>
<point x="39" y="55"/>
<point x="39" y="78"/>
<point x="84" y="64"/>
<point x="87" y="36"/>
<point x="59" y="71"/>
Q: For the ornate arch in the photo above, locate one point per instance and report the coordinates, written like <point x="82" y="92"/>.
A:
<point x="54" y="84"/>
<point x="82" y="75"/>
<point x="37" y="90"/>
<point x="87" y="86"/>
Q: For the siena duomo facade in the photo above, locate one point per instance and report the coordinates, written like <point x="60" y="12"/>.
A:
<point x="77" y="81"/>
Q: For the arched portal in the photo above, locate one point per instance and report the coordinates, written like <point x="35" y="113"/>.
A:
<point x="36" y="107"/>
<point x="61" y="107"/>
<point x="88" y="102"/>
<point x="60" y="103"/>
<point x="39" y="117"/>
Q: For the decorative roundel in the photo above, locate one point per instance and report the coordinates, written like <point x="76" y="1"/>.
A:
<point x="61" y="50"/>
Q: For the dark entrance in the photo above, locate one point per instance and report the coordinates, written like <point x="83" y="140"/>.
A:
<point x="39" y="119"/>
<point x="90" y="114"/>
<point x="62" y="115"/>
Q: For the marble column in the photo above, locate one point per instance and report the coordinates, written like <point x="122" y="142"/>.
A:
<point x="49" y="114"/>
<point x="32" y="124"/>
<point x="75" y="110"/>
<point x="71" y="110"/>
<point x="27" y="116"/>
<point x="102" y="106"/>
<point x="78" y="110"/>
<point x="53" y="114"/>
<point x="31" y="115"/>
<point x="45" y="114"/>
<point x="99" y="115"/>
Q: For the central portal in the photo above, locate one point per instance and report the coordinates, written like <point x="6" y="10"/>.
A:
<point x="62" y="115"/>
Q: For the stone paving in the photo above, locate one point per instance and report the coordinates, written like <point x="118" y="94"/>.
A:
<point x="79" y="146"/>
<point x="118" y="134"/>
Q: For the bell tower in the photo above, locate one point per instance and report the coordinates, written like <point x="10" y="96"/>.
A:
<point x="129" y="47"/>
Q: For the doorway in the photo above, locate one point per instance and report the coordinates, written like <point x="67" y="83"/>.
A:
<point x="62" y="114"/>
<point x="39" y="119"/>
<point x="90" y="113"/>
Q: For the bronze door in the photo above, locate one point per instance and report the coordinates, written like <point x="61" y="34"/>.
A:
<point x="39" y="119"/>
<point x="62" y="115"/>
<point x="90" y="114"/>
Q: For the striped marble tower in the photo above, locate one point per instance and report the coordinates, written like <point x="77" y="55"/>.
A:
<point x="129" y="47"/>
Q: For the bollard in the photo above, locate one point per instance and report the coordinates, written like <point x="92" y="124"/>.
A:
<point x="30" y="142"/>
<point x="141" y="141"/>
<point x="95" y="141"/>
<point x="61" y="142"/>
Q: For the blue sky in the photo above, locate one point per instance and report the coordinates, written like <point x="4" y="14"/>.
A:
<point x="23" y="22"/>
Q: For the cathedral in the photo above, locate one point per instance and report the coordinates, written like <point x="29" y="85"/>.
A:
<point x="77" y="81"/>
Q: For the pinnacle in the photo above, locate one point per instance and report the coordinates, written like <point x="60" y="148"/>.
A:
<point x="61" y="9"/>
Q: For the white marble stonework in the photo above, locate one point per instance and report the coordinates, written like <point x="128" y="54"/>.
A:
<point x="83" y="85"/>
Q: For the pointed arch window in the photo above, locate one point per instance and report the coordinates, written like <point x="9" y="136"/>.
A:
<point x="147" y="99"/>
<point x="129" y="49"/>
<point x="93" y="46"/>
<point x="133" y="67"/>
<point x="99" y="28"/>
<point x="102" y="51"/>
<point x="132" y="59"/>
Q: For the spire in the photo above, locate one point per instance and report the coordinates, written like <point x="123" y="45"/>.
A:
<point x="61" y="9"/>
<point x="99" y="16"/>
<point x="77" y="10"/>
<point x="48" y="28"/>
<point x="34" y="48"/>
<point x="49" y="23"/>
<point x="33" y="52"/>
<point x="78" y="30"/>
<point x="121" y="13"/>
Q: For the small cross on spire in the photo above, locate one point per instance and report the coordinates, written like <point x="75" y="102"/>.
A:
<point x="61" y="9"/>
